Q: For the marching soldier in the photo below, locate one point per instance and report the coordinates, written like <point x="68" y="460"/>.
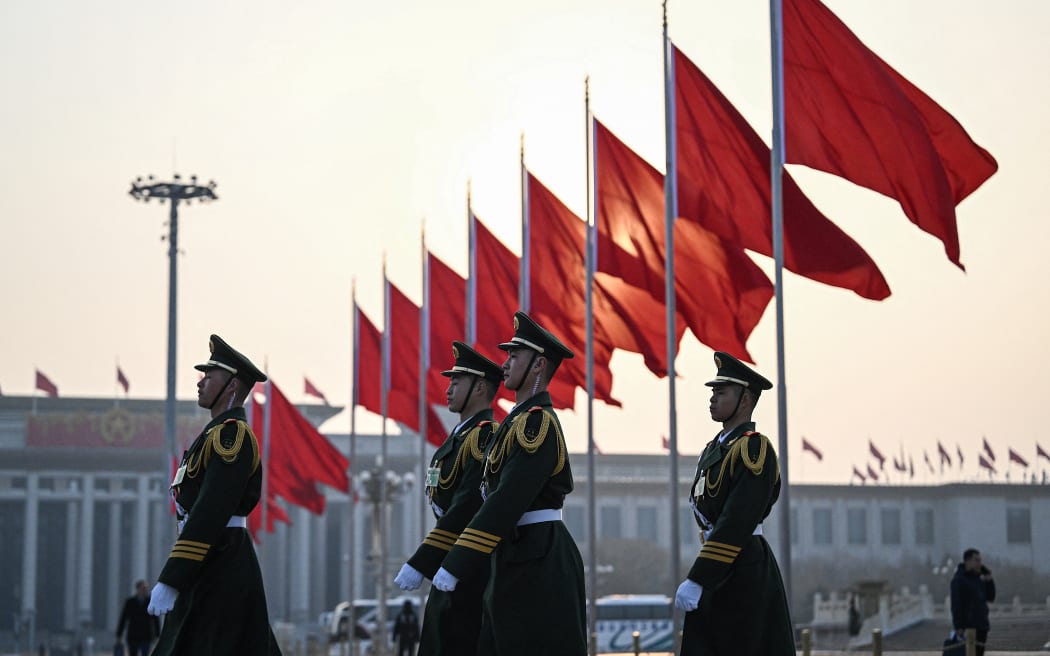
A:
<point x="734" y="595"/>
<point x="211" y="583"/>
<point x="452" y="620"/>
<point x="534" y="602"/>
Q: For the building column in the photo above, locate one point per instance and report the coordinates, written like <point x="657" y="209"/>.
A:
<point x="113" y="578"/>
<point x="140" y="547"/>
<point x="300" y="582"/>
<point x="86" y="550"/>
<point x="319" y="573"/>
<point x="29" y="555"/>
<point x="346" y="533"/>
<point x="69" y="591"/>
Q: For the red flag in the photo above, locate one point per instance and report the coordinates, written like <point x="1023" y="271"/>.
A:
<point x="299" y="456"/>
<point x="723" y="183"/>
<point x="274" y="513"/>
<point x="311" y="389"/>
<point x="945" y="458"/>
<point x="958" y="452"/>
<point x="988" y="449"/>
<point x="1016" y="457"/>
<point x="877" y="454"/>
<point x="911" y="467"/>
<point x="44" y="384"/>
<point x="929" y="464"/>
<point x="368" y="363"/>
<point x="871" y="474"/>
<point x="497" y="291"/>
<point x="900" y="465"/>
<point x="850" y="114"/>
<point x="1040" y="453"/>
<point x="858" y="474"/>
<point x="720" y="292"/>
<point x="665" y="442"/>
<point x="122" y="380"/>
<point x="985" y="464"/>
<point x="447" y="319"/>
<point x="403" y="399"/>
<point x="808" y="446"/>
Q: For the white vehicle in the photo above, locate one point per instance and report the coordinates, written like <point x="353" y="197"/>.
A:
<point x="336" y="622"/>
<point x="619" y="616"/>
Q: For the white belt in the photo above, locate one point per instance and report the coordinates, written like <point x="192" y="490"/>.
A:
<point x="237" y="521"/>
<point x="537" y="516"/>
<point x="757" y="531"/>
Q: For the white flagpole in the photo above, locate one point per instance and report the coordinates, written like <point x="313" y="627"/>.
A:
<point x="352" y="509"/>
<point x="524" y="294"/>
<point x="267" y="433"/>
<point x="424" y="365"/>
<point x="776" y="175"/>
<point x="590" y="262"/>
<point x="470" y="334"/>
<point x="670" y="213"/>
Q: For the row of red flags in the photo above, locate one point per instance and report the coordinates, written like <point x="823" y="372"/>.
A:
<point x="985" y="459"/>
<point x="848" y="113"/>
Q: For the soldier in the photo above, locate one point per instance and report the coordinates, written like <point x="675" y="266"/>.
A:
<point x="534" y="602"/>
<point x="452" y="620"/>
<point x="211" y="582"/>
<point x="734" y="595"/>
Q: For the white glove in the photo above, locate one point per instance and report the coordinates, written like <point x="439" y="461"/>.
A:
<point x="688" y="596"/>
<point x="161" y="599"/>
<point x="409" y="578"/>
<point x="445" y="581"/>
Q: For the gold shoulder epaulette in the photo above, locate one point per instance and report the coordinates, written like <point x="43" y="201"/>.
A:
<point x="530" y="441"/>
<point x="228" y="449"/>
<point x="741" y="449"/>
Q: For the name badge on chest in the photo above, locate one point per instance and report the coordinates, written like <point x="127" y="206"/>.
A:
<point x="698" y="489"/>
<point x="180" y="473"/>
<point x="433" y="474"/>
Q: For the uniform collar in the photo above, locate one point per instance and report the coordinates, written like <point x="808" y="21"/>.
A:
<point x="232" y="413"/>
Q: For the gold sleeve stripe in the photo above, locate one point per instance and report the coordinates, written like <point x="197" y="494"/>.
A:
<point x="721" y="559"/>
<point x="442" y="532"/>
<point x="192" y="543"/>
<point x="196" y="550"/>
<point x="466" y="542"/>
<point x="439" y="545"/>
<point x="481" y="536"/>
<point x="718" y="552"/>
<point x="722" y="545"/>
<point x="441" y="538"/>
<point x="188" y="556"/>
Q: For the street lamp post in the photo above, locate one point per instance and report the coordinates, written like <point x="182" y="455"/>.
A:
<point x="174" y="192"/>
<point x="382" y="487"/>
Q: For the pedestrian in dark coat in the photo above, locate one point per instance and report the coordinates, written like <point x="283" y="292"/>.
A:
<point x="211" y="582"/>
<point x="406" y="630"/>
<point x="452" y="620"/>
<point x="142" y="628"/>
<point x="971" y="589"/>
<point x="534" y="602"/>
<point x="734" y="595"/>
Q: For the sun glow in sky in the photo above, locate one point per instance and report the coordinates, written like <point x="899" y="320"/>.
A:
<point x="335" y="129"/>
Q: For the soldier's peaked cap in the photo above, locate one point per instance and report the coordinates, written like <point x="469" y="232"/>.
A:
<point x="224" y="356"/>
<point x="469" y="361"/>
<point x="734" y="372"/>
<point x="531" y="335"/>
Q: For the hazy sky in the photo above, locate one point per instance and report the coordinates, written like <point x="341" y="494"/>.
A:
<point x="334" y="128"/>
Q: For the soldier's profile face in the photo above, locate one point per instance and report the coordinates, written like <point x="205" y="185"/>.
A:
<point x="210" y="385"/>
<point x="724" y="400"/>
<point x="515" y="368"/>
<point x="456" y="394"/>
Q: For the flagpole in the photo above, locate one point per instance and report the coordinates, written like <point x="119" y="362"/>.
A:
<point x="424" y="365"/>
<point x="116" y="398"/>
<point x="472" y="273"/>
<point x="383" y="464"/>
<point x="590" y="262"/>
<point x="352" y="511"/>
<point x="776" y="175"/>
<point x="670" y="213"/>
<point x="523" y="283"/>
<point x="267" y="433"/>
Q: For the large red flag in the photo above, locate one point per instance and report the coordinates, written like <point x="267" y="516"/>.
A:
<point x="403" y="398"/>
<point x="723" y="183"/>
<point x="497" y="292"/>
<point x="44" y="384"/>
<point x="1016" y="457"/>
<point x="369" y="363"/>
<point x="719" y="291"/>
<point x="850" y="114"/>
<point x="447" y="319"/>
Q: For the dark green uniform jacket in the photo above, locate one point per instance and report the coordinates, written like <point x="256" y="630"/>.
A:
<point x="534" y="602"/>
<point x="452" y="620"/>
<point x="221" y="607"/>
<point x="743" y="610"/>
